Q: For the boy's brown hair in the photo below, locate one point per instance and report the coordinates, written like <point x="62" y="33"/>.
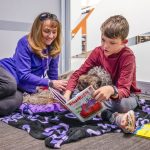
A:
<point x="115" y="27"/>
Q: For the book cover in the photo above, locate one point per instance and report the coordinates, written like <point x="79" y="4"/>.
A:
<point x="143" y="131"/>
<point x="83" y="105"/>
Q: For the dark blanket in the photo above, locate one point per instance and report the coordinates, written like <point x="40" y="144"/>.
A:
<point x="57" y="126"/>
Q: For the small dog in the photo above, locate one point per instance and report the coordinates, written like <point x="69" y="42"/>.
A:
<point x="96" y="77"/>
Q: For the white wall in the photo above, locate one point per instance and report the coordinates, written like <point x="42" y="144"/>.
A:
<point x="8" y="41"/>
<point x="76" y="47"/>
<point x="136" y="12"/>
<point x="76" y="44"/>
<point x="16" y="17"/>
<point x="142" y="53"/>
<point x="75" y="12"/>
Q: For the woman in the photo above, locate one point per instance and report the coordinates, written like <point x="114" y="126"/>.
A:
<point x="37" y="55"/>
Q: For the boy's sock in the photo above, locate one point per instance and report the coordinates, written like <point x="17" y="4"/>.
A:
<point x="126" y="121"/>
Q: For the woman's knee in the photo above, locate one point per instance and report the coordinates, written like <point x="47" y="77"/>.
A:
<point x="8" y="87"/>
<point x="10" y="104"/>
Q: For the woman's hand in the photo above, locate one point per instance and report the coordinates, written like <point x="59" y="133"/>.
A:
<point x="60" y="84"/>
<point x="103" y="93"/>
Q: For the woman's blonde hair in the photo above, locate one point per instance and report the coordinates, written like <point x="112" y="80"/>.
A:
<point x="115" y="27"/>
<point x="35" y="36"/>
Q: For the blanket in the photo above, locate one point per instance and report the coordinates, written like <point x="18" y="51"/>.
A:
<point x="56" y="125"/>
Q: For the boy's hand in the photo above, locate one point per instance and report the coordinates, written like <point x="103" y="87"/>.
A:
<point x="67" y="94"/>
<point x="103" y="93"/>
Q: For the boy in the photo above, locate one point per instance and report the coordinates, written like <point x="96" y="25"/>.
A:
<point x="119" y="100"/>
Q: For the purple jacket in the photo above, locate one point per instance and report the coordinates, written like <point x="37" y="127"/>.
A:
<point x="28" y="69"/>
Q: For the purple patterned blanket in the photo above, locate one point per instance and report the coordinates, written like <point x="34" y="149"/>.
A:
<point x="57" y="126"/>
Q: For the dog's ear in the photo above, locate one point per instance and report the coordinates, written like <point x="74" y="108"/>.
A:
<point x="82" y="82"/>
<point x="82" y="85"/>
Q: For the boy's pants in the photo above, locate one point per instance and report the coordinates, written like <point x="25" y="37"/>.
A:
<point x="123" y="105"/>
<point x="10" y="97"/>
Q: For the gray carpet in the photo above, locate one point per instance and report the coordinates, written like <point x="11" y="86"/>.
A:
<point x="16" y="139"/>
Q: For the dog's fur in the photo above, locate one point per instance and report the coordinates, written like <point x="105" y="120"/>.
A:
<point x="96" y="77"/>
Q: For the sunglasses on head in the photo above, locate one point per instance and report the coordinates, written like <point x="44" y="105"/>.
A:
<point x="46" y="15"/>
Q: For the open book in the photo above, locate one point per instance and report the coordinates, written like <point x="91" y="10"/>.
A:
<point x="83" y="105"/>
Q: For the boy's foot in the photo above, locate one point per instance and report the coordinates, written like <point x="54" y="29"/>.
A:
<point x="126" y="121"/>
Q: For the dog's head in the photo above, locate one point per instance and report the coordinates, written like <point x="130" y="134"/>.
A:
<point x="87" y="80"/>
<point x="97" y="77"/>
